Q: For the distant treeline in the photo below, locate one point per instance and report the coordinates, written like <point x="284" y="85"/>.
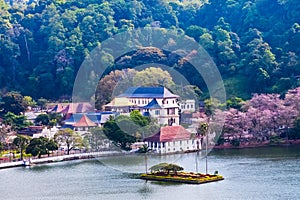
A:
<point x="255" y="44"/>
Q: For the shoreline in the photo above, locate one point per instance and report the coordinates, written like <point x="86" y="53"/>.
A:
<point x="84" y="156"/>
<point x="38" y="161"/>
<point x="257" y="145"/>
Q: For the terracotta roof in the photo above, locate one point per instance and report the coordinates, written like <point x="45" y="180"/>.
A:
<point x="78" y="108"/>
<point x="57" y="108"/>
<point x="169" y="134"/>
<point x="84" y="122"/>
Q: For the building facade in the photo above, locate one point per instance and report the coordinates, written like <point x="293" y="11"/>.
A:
<point x="173" y="139"/>
<point x="156" y="102"/>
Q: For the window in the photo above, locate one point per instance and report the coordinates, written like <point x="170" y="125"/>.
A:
<point x="157" y="112"/>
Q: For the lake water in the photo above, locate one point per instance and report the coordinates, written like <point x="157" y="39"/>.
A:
<point x="263" y="173"/>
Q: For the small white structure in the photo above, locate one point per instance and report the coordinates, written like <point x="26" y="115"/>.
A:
<point x="173" y="139"/>
<point x="47" y="133"/>
<point x="187" y="105"/>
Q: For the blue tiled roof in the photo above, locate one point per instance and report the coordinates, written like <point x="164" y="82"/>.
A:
<point x="147" y="92"/>
<point x="146" y="114"/>
<point x="74" y="118"/>
<point x="152" y="105"/>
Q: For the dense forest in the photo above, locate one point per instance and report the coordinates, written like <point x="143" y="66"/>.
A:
<point x="254" y="43"/>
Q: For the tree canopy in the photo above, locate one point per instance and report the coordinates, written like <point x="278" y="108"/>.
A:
<point x="41" y="146"/>
<point x="68" y="138"/>
<point x="43" y="43"/>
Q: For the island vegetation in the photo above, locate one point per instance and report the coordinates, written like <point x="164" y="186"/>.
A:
<point x="169" y="172"/>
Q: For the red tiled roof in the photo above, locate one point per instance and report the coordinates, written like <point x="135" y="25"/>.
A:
<point x="77" y="108"/>
<point x="169" y="134"/>
<point x="84" y="122"/>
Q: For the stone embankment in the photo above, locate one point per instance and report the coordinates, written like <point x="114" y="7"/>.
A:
<point x="59" y="159"/>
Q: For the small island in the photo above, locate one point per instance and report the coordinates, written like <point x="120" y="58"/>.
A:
<point x="173" y="173"/>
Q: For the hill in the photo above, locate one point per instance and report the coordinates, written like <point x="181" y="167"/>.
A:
<point x="255" y="44"/>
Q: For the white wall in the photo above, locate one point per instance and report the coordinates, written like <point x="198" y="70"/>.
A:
<point x="175" y="146"/>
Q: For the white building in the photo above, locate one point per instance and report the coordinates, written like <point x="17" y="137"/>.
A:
<point x="47" y="133"/>
<point x="173" y="139"/>
<point x="157" y="102"/>
<point x="187" y="105"/>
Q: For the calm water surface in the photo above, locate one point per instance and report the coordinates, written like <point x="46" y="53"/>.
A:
<point x="264" y="173"/>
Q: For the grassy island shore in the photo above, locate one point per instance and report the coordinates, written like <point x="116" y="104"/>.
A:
<point x="182" y="177"/>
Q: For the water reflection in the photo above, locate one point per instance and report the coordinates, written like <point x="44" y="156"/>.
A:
<point x="264" y="173"/>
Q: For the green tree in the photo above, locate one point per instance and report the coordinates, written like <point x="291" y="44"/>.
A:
<point x="113" y="84"/>
<point x="235" y="142"/>
<point x="153" y="76"/>
<point x="21" y="142"/>
<point x="117" y="136"/>
<point x="235" y="102"/>
<point x="41" y="102"/>
<point x="28" y="101"/>
<point x="42" y="119"/>
<point x="1" y="147"/>
<point x="41" y="146"/>
<point x="13" y="102"/>
<point x="202" y="129"/>
<point x="55" y="118"/>
<point x="138" y="118"/>
<point x="294" y="133"/>
<point x="97" y="139"/>
<point x="69" y="138"/>
<point x="17" y="122"/>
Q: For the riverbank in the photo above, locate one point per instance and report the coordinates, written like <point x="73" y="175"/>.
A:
<point x="79" y="156"/>
<point x="258" y="144"/>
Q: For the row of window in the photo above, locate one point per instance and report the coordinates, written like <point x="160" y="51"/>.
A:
<point x="135" y="101"/>
<point x="187" y="106"/>
<point x="156" y="144"/>
<point x="146" y="101"/>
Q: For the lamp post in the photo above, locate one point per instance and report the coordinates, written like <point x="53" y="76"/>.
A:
<point x="206" y="146"/>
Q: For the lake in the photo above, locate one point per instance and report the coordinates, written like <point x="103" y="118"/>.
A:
<point x="261" y="173"/>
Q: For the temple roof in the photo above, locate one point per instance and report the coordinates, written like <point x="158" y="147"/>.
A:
<point x="152" y="105"/>
<point x="148" y="92"/>
<point x="84" y="122"/>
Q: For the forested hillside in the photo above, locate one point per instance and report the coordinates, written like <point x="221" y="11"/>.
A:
<point x="255" y="43"/>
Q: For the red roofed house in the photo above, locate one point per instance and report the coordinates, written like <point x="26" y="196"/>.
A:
<point x="84" y="124"/>
<point x="172" y="139"/>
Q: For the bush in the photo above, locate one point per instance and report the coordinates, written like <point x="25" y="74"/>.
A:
<point x="235" y="142"/>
